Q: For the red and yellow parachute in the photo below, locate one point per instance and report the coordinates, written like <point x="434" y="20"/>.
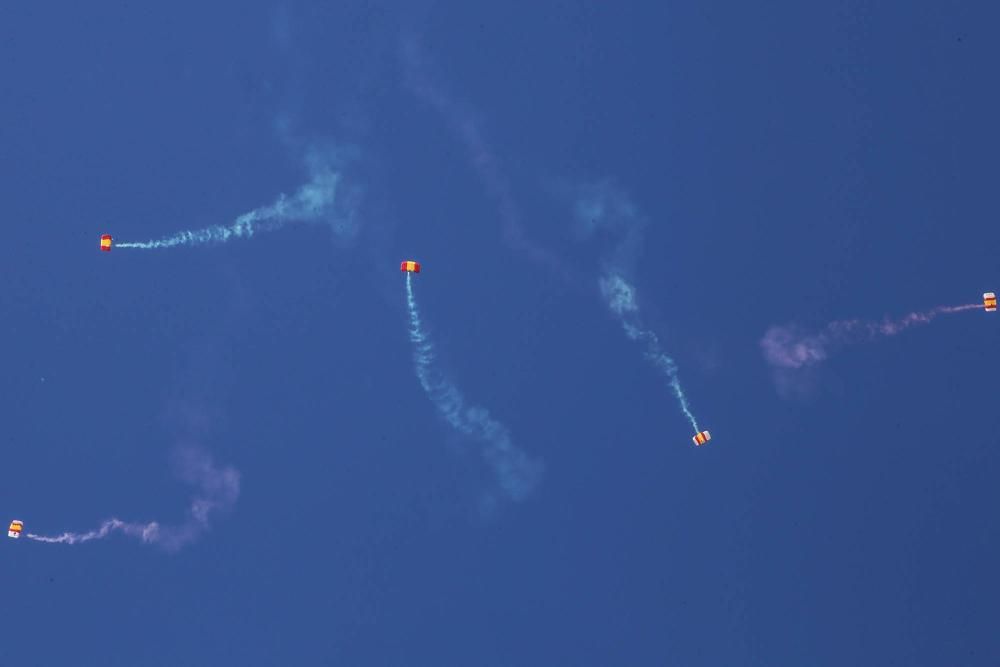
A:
<point x="409" y="266"/>
<point x="701" y="438"/>
<point x="106" y="242"/>
<point x="990" y="302"/>
<point x="15" y="529"/>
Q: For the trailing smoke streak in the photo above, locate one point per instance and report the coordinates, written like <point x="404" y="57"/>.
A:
<point x="147" y="532"/>
<point x="787" y="347"/>
<point x="218" y="490"/>
<point x="516" y="473"/>
<point x="621" y="300"/>
<point x="313" y="202"/>
<point x="600" y="208"/>
<point x="482" y="157"/>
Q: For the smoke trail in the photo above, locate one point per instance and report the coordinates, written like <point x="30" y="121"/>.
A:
<point x="620" y="297"/>
<point x="516" y="473"/>
<point x="788" y="347"/>
<point x="602" y="208"/>
<point x="483" y="159"/>
<point x="146" y="532"/>
<point x="217" y="492"/>
<point x="316" y="201"/>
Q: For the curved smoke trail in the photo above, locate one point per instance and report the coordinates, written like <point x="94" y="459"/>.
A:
<point x="604" y="208"/>
<point x="788" y="347"/>
<point x="516" y="473"/>
<point x="620" y="297"/>
<point x="218" y="490"/>
<point x="484" y="160"/>
<point x="316" y="201"/>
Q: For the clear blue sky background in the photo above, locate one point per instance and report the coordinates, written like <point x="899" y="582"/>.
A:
<point x="796" y="162"/>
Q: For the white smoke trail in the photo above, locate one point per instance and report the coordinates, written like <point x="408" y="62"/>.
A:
<point x="218" y="490"/>
<point x="620" y="296"/>
<point x="484" y="160"/>
<point x="788" y="347"/>
<point x="516" y="473"/>
<point x="604" y="208"/>
<point x="316" y="201"/>
<point x="146" y="532"/>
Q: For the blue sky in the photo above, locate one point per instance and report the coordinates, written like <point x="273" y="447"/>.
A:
<point x="794" y="163"/>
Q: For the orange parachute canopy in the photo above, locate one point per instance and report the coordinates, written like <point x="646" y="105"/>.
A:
<point x="990" y="302"/>
<point x="106" y="242"/>
<point x="409" y="266"/>
<point x="15" y="529"/>
<point x="701" y="438"/>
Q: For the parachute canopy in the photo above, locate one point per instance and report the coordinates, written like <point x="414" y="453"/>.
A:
<point x="409" y="266"/>
<point x="15" y="529"/>
<point x="701" y="438"/>
<point x="106" y="242"/>
<point x="990" y="302"/>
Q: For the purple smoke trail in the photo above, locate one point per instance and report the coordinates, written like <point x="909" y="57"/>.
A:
<point x="790" y="347"/>
<point x="218" y="490"/>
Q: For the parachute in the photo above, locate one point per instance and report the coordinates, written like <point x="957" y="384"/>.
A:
<point x="15" y="529"/>
<point x="701" y="438"/>
<point x="105" y="242"/>
<point x="409" y="266"/>
<point x="990" y="302"/>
